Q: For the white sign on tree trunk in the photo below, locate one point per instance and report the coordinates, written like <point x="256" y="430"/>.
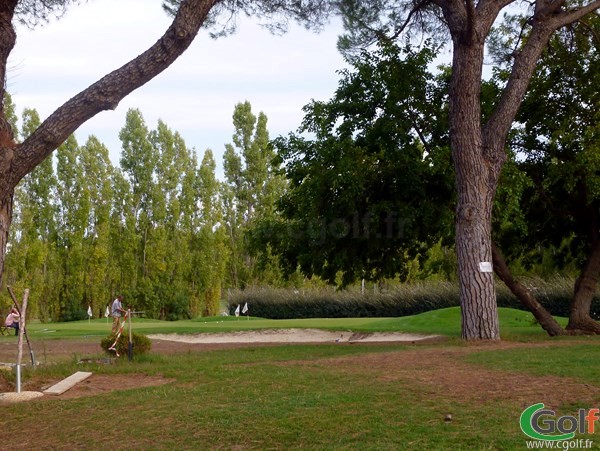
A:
<point x="486" y="267"/>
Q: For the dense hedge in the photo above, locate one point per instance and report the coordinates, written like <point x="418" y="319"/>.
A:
<point x="401" y="300"/>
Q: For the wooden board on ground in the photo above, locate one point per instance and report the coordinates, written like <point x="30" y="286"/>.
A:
<point x="65" y="384"/>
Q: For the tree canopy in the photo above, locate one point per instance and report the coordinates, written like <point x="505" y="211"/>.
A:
<point x="373" y="188"/>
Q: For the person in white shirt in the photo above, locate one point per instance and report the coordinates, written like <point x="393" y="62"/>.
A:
<point x="117" y="312"/>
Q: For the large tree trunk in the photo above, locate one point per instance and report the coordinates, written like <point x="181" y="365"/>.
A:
<point x="6" y="206"/>
<point x="475" y="186"/>
<point x="478" y="152"/>
<point x="525" y="296"/>
<point x="580" y="320"/>
<point x="7" y="144"/>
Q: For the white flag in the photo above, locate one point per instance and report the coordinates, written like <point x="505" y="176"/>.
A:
<point x="107" y="312"/>
<point x="90" y="314"/>
<point x="237" y="311"/>
<point x="245" y="309"/>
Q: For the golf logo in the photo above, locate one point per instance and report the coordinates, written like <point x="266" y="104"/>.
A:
<point x="541" y="424"/>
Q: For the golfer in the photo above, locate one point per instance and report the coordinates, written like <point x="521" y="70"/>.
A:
<point x="117" y="312"/>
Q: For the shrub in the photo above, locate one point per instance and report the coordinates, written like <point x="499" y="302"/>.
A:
<point x="141" y="344"/>
<point x="396" y="300"/>
<point x="72" y="312"/>
<point x="401" y="300"/>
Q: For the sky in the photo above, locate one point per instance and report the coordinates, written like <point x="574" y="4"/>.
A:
<point x="196" y="95"/>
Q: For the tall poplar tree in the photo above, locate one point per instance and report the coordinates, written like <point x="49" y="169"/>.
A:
<point x="252" y="186"/>
<point x="169" y="251"/>
<point x="138" y="160"/>
<point x="73" y="212"/>
<point x="17" y="159"/>
<point x="97" y="170"/>
<point x="33" y="258"/>
<point x="211" y="252"/>
<point x="123" y="237"/>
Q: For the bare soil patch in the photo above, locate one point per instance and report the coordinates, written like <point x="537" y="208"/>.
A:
<point x="445" y="375"/>
<point x="94" y="385"/>
<point x="48" y="351"/>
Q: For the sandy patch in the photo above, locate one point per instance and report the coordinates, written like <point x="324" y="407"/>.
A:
<point x="9" y="398"/>
<point x="293" y="336"/>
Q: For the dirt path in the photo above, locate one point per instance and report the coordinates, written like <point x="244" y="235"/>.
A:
<point x="446" y="375"/>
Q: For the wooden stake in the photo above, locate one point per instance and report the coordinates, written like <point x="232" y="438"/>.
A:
<point x="14" y="299"/>
<point x="21" y="332"/>
<point x="130" y="344"/>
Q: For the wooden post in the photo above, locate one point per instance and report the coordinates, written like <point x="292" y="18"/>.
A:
<point x="130" y="347"/>
<point x="14" y="299"/>
<point x="20" y="341"/>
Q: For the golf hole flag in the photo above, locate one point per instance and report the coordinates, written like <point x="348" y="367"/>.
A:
<point x="107" y="312"/>
<point x="90" y="314"/>
<point x="245" y="309"/>
<point x="237" y="311"/>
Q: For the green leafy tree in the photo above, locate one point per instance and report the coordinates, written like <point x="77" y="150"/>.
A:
<point x="32" y="259"/>
<point x="97" y="171"/>
<point x="210" y="242"/>
<point x="123" y="269"/>
<point x="10" y="111"/>
<point x="169" y="250"/>
<point x="252" y="186"/>
<point x="557" y="144"/>
<point x="138" y="161"/>
<point x="73" y="212"/>
<point x="373" y="188"/>
<point x="17" y="159"/>
<point x="188" y="225"/>
<point x="478" y="141"/>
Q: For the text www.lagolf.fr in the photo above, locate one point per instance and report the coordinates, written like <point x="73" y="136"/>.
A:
<point x="560" y="444"/>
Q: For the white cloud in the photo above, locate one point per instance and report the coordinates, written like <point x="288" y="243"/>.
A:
<point x="196" y="95"/>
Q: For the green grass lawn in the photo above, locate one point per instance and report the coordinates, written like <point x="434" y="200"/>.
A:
<point x="514" y="324"/>
<point x="314" y="397"/>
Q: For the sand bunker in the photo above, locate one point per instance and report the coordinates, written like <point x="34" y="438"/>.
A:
<point x="293" y="336"/>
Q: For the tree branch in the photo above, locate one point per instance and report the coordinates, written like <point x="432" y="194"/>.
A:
<point x="524" y="295"/>
<point x="415" y="9"/>
<point x="107" y="92"/>
<point x="487" y="13"/>
<point x="595" y="35"/>
<point x="567" y="17"/>
<point x="497" y="127"/>
<point x="545" y="21"/>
